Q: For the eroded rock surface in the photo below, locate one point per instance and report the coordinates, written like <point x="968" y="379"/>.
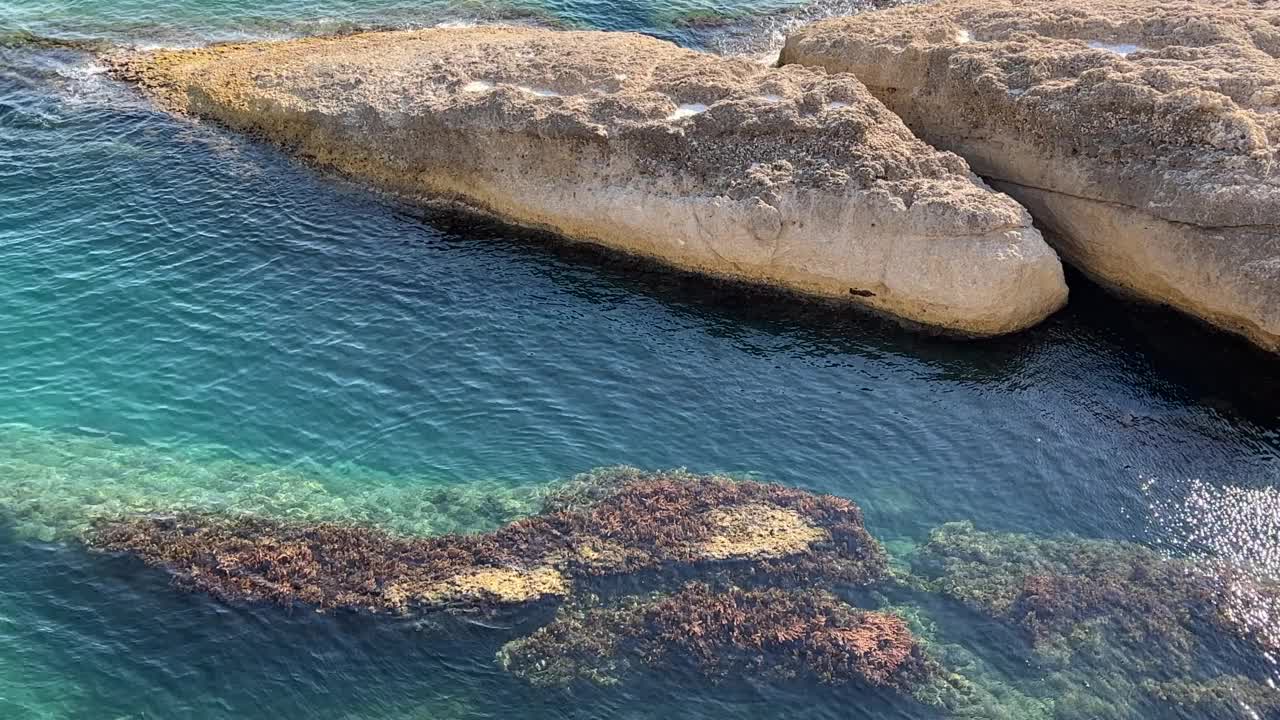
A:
<point x="788" y="177"/>
<point x="1142" y="133"/>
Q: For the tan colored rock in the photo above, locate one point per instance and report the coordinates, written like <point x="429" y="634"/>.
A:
<point x="758" y="530"/>
<point x="508" y="586"/>
<point x="783" y="177"/>
<point x="1143" y="133"/>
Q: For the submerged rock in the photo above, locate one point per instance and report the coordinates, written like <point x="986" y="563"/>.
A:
<point x="610" y="524"/>
<point x="788" y="178"/>
<point x="1144" y="134"/>
<point x="1161" y="626"/>
<point x="723" y="632"/>
<point x="1062" y="591"/>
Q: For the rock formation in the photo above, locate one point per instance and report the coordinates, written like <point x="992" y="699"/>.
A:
<point x="644" y="567"/>
<point x="609" y="525"/>
<point x="721" y="633"/>
<point x="1143" y="134"/>
<point x="783" y="177"/>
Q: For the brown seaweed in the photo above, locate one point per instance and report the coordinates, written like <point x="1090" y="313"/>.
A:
<point x="620" y="523"/>
<point x="1165" y="626"/>
<point x="723" y="632"/>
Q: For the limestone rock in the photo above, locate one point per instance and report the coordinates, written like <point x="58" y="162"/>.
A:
<point x="786" y="177"/>
<point x="1143" y="134"/>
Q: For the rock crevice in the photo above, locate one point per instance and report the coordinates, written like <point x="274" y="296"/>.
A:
<point x="1145" y="136"/>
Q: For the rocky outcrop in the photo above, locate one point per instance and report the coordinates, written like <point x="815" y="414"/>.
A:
<point x="1142" y="133"/>
<point x="789" y="177"/>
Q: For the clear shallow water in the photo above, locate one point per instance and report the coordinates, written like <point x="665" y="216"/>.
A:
<point x="191" y="320"/>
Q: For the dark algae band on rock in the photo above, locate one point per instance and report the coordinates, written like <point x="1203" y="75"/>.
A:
<point x="788" y="178"/>
<point x="1144" y="135"/>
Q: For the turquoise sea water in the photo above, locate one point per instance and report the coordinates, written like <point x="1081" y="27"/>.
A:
<point x="190" y="320"/>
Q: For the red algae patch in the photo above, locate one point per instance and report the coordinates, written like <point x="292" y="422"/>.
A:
<point x="328" y="566"/>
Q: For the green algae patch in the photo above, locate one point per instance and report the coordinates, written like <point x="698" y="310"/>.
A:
<point x="620" y="522"/>
<point x="770" y="633"/>
<point x="56" y="485"/>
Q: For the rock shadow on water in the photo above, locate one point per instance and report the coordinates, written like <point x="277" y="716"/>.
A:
<point x="1137" y="340"/>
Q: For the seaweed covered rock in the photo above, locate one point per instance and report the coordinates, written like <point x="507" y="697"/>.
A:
<point x="1160" y="625"/>
<point x="788" y="178"/>
<point x="1223" y="697"/>
<point x="623" y="520"/>
<point x="616" y="523"/>
<point x="1145" y="134"/>
<point x="723" y="632"/>
<point x="1060" y="590"/>
<point x="327" y="565"/>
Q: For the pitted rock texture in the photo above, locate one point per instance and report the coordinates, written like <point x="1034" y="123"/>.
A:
<point x="786" y="177"/>
<point x="1142" y="133"/>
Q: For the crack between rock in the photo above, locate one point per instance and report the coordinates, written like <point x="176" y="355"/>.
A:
<point x="1258" y="226"/>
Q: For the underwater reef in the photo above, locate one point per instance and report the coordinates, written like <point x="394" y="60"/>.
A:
<point x="620" y="573"/>
<point x="1060" y="591"/>
<point x="728" y="577"/>
<point x="771" y="633"/>
<point x="620" y="522"/>
<point x="1147" y="627"/>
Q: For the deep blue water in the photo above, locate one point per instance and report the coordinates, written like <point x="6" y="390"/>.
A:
<point x="172" y="297"/>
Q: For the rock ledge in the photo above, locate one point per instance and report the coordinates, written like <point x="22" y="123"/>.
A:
<point x="788" y="177"/>
<point x="1145" y="134"/>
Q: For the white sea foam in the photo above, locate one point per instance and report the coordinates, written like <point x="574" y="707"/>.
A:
<point x="687" y="110"/>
